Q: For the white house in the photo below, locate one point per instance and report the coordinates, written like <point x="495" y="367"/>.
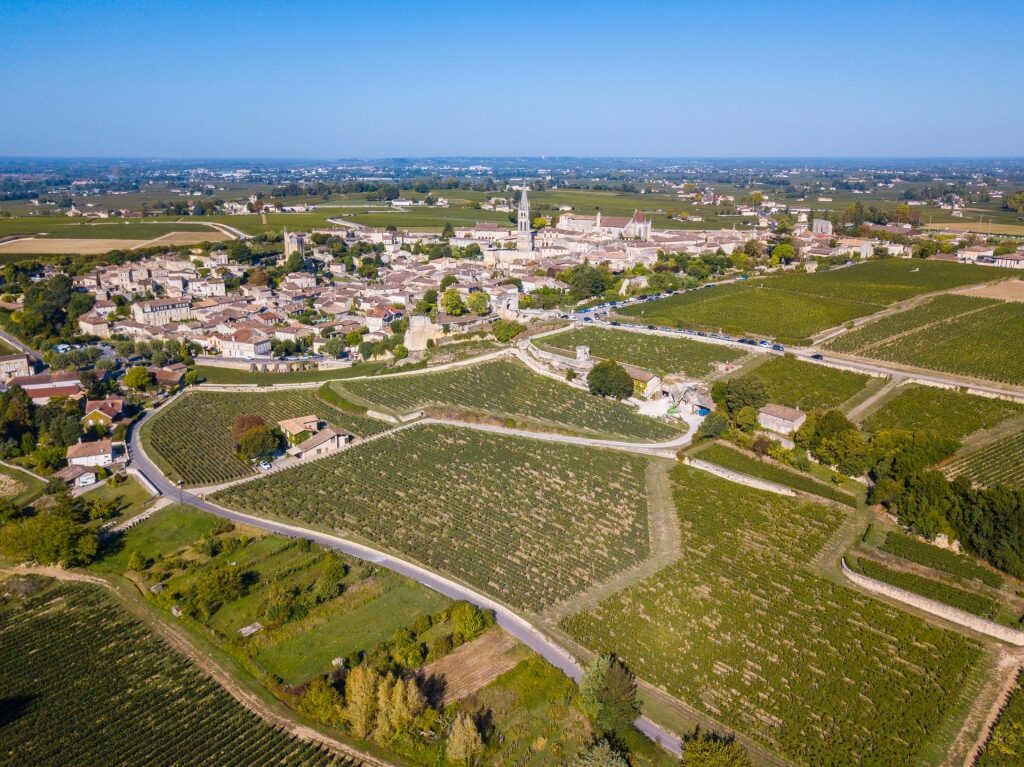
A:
<point x="99" y="453"/>
<point x="323" y="442"/>
<point x="781" y="419"/>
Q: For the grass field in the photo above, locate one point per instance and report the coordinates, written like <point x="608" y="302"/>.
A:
<point x="1005" y="746"/>
<point x="805" y="385"/>
<point x="741" y="629"/>
<point x="659" y="354"/>
<point x="510" y="391"/>
<point x="957" y="334"/>
<point x="1002" y="462"/>
<point x="82" y="682"/>
<point x="730" y="458"/>
<point x="529" y="522"/>
<point x="191" y="438"/>
<point x="20" y="487"/>
<point x="947" y="411"/>
<point x="792" y="307"/>
<point x="129" y="497"/>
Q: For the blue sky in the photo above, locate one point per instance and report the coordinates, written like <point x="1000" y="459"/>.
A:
<point x="346" y="79"/>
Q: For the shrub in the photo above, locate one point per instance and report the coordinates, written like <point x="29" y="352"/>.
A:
<point x="610" y="379"/>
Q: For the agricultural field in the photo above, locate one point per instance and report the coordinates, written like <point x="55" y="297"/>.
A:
<point x="770" y="471"/>
<point x="232" y="376"/>
<point x="792" y="307"/>
<point x="1005" y="745"/>
<point x="20" y="487"/>
<point x="946" y="411"/>
<point x="191" y="440"/>
<point x="957" y="334"/>
<point x="659" y="354"/>
<point x="807" y="386"/>
<point x="958" y="565"/>
<point x="83" y="681"/>
<point x="510" y="391"/>
<point x="953" y="596"/>
<point x="1001" y="463"/>
<point x="530" y="522"/>
<point x="741" y="629"/>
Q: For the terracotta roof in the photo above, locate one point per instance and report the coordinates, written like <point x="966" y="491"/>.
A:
<point x="783" y="412"/>
<point x="111" y="406"/>
<point x="89" y="449"/>
<point x="322" y="436"/>
<point x="300" y="424"/>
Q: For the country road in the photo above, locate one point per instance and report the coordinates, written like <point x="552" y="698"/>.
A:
<point x="509" y="620"/>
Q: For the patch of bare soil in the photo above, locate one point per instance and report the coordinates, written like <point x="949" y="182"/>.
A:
<point x="470" y="667"/>
<point x="9" y="486"/>
<point x="1008" y="290"/>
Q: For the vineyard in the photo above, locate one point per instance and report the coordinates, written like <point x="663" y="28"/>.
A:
<point x="529" y="522"/>
<point x="953" y="334"/>
<point x="1005" y="746"/>
<point x="85" y="684"/>
<point x="729" y="458"/>
<point x="805" y="385"/>
<point x="739" y="628"/>
<point x="1001" y="463"/>
<point x="946" y="411"/>
<point x="659" y="354"/>
<point x="506" y="389"/>
<point x="926" y="587"/>
<point x="191" y="438"/>
<point x="943" y="560"/>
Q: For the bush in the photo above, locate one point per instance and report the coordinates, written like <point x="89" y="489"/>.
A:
<point x="505" y="330"/>
<point x="610" y="379"/>
<point x="714" y="426"/>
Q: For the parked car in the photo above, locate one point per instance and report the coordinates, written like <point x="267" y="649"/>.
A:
<point x="777" y="347"/>
<point x="817" y="357"/>
<point x="264" y="465"/>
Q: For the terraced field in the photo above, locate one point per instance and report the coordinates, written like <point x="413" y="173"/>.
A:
<point x="191" y="438"/>
<point x="1001" y="463"/>
<point x="807" y="386"/>
<point x="932" y="589"/>
<point x="947" y="411"/>
<point x="85" y="684"/>
<point x="530" y="522"/>
<point x="1005" y="746"/>
<point x="659" y="354"/>
<point x="741" y="629"/>
<point x="958" y="565"/>
<point x="509" y="390"/>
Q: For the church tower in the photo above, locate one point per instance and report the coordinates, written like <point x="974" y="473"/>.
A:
<point x="524" y="234"/>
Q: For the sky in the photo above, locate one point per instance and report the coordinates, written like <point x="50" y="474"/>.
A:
<point x="327" y="80"/>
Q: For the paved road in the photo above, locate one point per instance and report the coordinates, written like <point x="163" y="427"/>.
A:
<point x="519" y="627"/>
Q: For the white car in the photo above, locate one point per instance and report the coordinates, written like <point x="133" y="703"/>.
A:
<point x="264" y="465"/>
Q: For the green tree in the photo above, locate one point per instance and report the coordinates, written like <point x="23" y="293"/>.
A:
<point x="361" y="700"/>
<point x="608" y="689"/>
<point x="600" y="754"/>
<point x="1015" y="201"/>
<point x="321" y="702"/>
<point x="479" y="303"/>
<point x="451" y="303"/>
<point x="707" y="750"/>
<point x="138" y="378"/>
<point x="446" y="282"/>
<point x="448" y="232"/>
<point x="609" y="379"/>
<point x="746" y="419"/>
<point x="748" y="391"/>
<point x="505" y="330"/>
<point x="257" y="442"/>
<point x="464" y="741"/>
<point x="713" y="426"/>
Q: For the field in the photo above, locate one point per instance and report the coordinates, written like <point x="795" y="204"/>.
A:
<point x="19" y="486"/>
<point x="952" y="413"/>
<point x="792" y="307"/>
<point x="1001" y="463"/>
<point x="529" y="522"/>
<point x="509" y="390"/>
<point x="941" y="592"/>
<point x="129" y="497"/>
<point x="659" y="354"/>
<point x="741" y="629"/>
<point x="232" y="376"/>
<point x="805" y="385"/>
<point x="943" y="560"/>
<point x="956" y="334"/>
<point x="729" y="458"/>
<point x="191" y="440"/>
<point x="84" y="682"/>
<point x="1005" y="746"/>
<point x="51" y="235"/>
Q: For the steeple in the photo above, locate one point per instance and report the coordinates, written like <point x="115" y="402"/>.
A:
<point x="524" y="212"/>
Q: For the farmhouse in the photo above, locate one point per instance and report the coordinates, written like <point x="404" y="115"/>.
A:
<point x="102" y="412"/>
<point x="298" y="430"/>
<point x="324" y="442"/>
<point x="245" y="343"/>
<point x="646" y="384"/>
<point x="781" y="419"/>
<point x="99" y="453"/>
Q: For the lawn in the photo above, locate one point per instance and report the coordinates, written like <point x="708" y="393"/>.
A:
<point x="129" y="495"/>
<point x="741" y="629"/>
<point x="191" y="438"/>
<point x="1001" y="463"/>
<point x="529" y="522"/>
<point x="509" y="390"/>
<point x="659" y="354"/>
<point x="85" y="681"/>
<point x="947" y="411"/>
<point x="19" y="486"/>
<point x="805" y="385"/>
<point x="168" y="530"/>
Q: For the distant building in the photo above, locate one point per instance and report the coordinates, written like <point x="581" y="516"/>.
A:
<point x="781" y="419"/>
<point x="162" y="310"/>
<point x="524" y="229"/>
<point x="821" y="226"/>
<point x="294" y="242"/>
<point x="12" y="365"/>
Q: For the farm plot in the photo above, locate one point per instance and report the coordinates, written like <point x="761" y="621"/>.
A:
<point x="85" y="684"/>
<point x="508" y="390"/>
<point x="1005" y="746"/>
<point x="740" y="628"/>
<point x="943" y="560"/>
<point x="1001" y="463"/>
<point x="659" y="354"/>
<point x="730" y="458"/>
<point x="191" y="439"/>
<point x="941" y="592"/>
<point x="946" y="411"/>
<point x="529" y="522"/>
<point x="805" y="385"/>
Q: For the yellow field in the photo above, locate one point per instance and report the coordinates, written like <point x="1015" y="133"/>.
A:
<point x="89" y="246"/>
<point x="979" y="227"/>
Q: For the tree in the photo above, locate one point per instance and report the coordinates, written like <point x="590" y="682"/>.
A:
<point x="138" y="378"/>
<point x="479" y="303"/>
<point x="257" y="442"/>
<point x="746" y="419"/>
<point x="1015" y="201"/>
<point x="748" y="391"/>
<point x="704" y="749"/>
<point x="50" y="538"/>
<point x="600" y="754"/>
<point x="464" y="741"/>
<point x="259" y="277"/>
<point x="335" y="346"/>
<point x="446" y="282"/>
<point x="244" y="423"/>
<point x="448" y="232"/>
<point x="361" y="700"/>
<point x="451" y="303"/>
<point x="321" y="702"/>
<point x="505" y="330"/>
<point x="608" y="689"/>
<point x="609" y="379"/>
<point x="713" y="426"/>
<point x="398" y="703"/>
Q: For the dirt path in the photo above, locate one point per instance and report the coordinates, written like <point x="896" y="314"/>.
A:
<point x="857" y="412"/>
<point x="183" y="644"/>
<point x="1008" y="666"/>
